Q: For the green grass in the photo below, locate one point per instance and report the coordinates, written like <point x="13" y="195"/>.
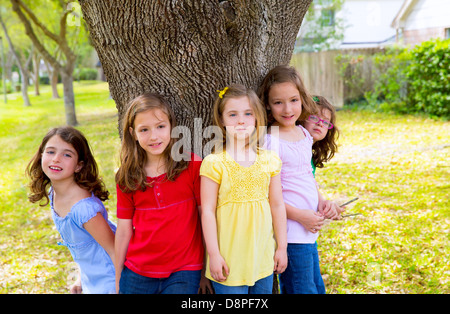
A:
<point x="397" y="165"/>
<point x="30" y="259"/>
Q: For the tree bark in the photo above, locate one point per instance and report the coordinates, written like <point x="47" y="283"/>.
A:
<point x="36" y="67"/>
<point x="69" y="98"/>
<point x="186" y="50"/>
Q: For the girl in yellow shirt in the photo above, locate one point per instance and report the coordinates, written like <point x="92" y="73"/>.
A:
<point x="242" y="204"/>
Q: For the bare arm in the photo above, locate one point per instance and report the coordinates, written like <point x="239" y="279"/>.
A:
<point x="279" y="223"/>
<point x="209" y="192"/>
<point x="100" y="230"/>
<point x="310" y="219"/>
<point x="123" y="235"/>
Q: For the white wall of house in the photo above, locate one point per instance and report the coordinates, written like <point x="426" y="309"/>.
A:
<point x="428" y="14"/>
<point x="368" y="23"/>
<point x="421" y="20"/>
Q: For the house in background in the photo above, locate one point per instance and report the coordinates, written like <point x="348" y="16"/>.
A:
<point x="421" y="20"/>
<point x="369" y="26"/>
<point x="367" y="23"/>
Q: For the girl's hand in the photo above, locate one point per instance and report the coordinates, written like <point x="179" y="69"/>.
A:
<point x="280" y="260"/>
<point x="328" y="209"/>
<point x="218" y="268"/>
<point x="76" y="287"/>
<point x="205" y="285"/>
<point x="312" y="221"/>
<point x="340" y="210"/>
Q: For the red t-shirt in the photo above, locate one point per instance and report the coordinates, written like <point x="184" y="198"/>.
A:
<point x="167" y="233"/>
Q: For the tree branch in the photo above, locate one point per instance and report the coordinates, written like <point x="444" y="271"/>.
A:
<point x="35" y="20"/>
<point x="29" y="31"/>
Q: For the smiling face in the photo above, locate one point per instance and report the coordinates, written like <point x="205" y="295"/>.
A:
<point x="238" y="118"/>
<point x="152" y="131"/>
<point x="60" y="160"/>
<point x="285" y="104"/>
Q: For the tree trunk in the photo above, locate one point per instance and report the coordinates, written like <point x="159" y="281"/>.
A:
<point x="36" y="67"/>
<point x="25" y="78"/>
<point x="53" y="76"/>
<point x="54" y="83"/>
<point x="22" y="69"/>
<point x="188" y="49"/>
<point x="69" y="98"/>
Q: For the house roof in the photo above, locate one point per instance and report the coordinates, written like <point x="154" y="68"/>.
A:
<point x="403" y="13"/>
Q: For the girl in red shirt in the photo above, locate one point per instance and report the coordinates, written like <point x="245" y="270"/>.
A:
<point x="158" y="244"/>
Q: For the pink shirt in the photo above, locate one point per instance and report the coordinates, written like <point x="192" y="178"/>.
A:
<point x="297" y="180"/>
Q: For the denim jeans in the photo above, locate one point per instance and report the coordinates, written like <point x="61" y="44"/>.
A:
<point x="302" y="275"/>
<point x="181" y="282"/>
<point x="262" y="286"/>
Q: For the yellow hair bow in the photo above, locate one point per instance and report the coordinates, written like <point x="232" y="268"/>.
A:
<point x="222" y="92"/>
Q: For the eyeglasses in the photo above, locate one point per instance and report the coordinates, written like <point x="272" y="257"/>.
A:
<point x="315" y="119"/>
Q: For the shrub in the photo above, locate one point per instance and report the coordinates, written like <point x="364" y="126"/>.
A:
<point x="85" y="74"/>
<point x="404" y="80"/>
<point x="429" y="77"/>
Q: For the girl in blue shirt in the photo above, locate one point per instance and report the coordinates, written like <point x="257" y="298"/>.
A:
<point x="64" y="163"/>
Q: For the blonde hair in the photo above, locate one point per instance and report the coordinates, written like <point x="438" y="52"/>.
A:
<point x="237" y="91"/>
<point x="286" y="74"/>
<point x="131" y="175"/>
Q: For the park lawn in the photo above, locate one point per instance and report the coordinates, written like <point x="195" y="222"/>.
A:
<point x="30" y="259"/>
<point x="397" y="165"/>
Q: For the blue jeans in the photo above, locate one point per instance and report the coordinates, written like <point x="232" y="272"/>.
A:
<point x="302" y="275"/>
<point x="262" y="286"/>
<point x="181" y="282"/>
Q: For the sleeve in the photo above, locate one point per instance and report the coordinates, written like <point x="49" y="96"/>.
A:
<point x="86" y="210"/>
<point x="125" y="204"/>
<point x="212" y="168"/>
<point x="274" y="164"/>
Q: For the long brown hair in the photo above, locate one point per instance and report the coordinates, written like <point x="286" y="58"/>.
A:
<point x="324" y="150"/>
<point x="131" y="175"/>
<point x="286" y="74"/>
<point x="236" y="91"/>
<point x="87" y="178"/>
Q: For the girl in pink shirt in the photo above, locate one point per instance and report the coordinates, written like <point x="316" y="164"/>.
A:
<point x="287" y="102"/>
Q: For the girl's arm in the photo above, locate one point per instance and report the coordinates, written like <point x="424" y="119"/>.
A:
<point x="123" y="235"/>
<point x="208" y="192"/>
<point x="205" y="283"/>
<point x="310" y="219"/>
<point x="76" y="288"/>
<point x="279" y="223"/>
<point x="100" y="230"/>
<point x="328" y="208"/>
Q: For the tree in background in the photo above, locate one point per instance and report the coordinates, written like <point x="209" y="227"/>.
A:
<point x="322" y="28"/>
<point x="187" y="50"/>
<point x="22" y="64"/>
<point x="38" y="30"/>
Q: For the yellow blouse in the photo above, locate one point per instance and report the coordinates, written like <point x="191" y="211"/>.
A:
<point x="244" y="219"/>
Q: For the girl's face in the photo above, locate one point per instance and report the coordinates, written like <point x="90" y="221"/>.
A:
<point x="152" y="130"/>
<point x="60" y="160"/>
<point x="285" y="104"/>
<point x="317" y="130"/>
<point x="238" y="118"/>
